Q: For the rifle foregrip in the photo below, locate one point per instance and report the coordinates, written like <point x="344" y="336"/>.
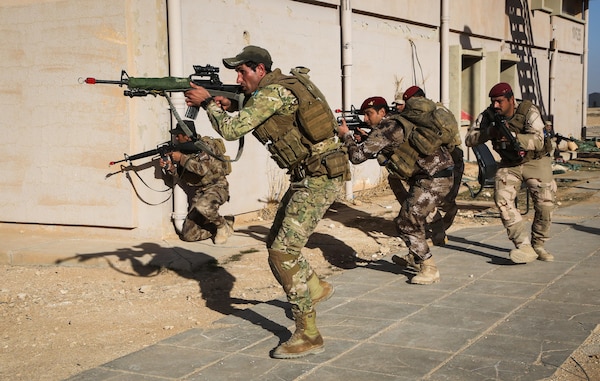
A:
<point x="192" y="112"/>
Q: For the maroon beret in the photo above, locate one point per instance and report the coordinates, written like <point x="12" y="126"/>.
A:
<point x="372" y="102"/>
<point x="412" y="91"/>
<point x="501" y="89"/>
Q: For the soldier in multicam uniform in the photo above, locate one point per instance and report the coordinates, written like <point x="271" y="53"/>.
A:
<point x="527" y="161"/>
<point x="429" y="178"/>
<point x="203" y="178"/>
<point x="270" y="114"/>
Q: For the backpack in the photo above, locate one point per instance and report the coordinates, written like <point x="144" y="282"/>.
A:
<point x="315" y="117"/>
<point x="217" y="147"/>
<point x="435" y="125"/>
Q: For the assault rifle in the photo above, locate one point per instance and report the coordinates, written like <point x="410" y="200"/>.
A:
<point x="161" y="150"/>
<point x="205" y="76"/>
<point x="508" y="146"/>
<point x="352" y="119"/>
<point x="560" y="137"/>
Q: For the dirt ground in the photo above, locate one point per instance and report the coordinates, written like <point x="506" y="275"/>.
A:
<point x="57" y="321"/>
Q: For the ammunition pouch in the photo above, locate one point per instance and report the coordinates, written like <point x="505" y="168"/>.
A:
<point x="289" y="150"/>
<point x="226" y="164"/>
<point x="336" y="164"/>
<point x="426" y="140"/>
<point x="332" y="163"/>
<point x="507" y="154"/>
<point x="400" y="160"/>
<point x="316" y="120"/>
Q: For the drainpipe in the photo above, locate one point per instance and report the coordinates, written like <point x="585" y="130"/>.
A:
<point x="346" y="31"/>
<point x="584" y="96"/>
<point x="175" y="36"/>
<point x="444" y="54"/>
<point x="553" y="50"/>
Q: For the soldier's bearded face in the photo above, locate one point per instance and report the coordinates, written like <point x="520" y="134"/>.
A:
<point x="373" y="117"/>
<point x="248" y="79"/>
<point x="503" y="106"/>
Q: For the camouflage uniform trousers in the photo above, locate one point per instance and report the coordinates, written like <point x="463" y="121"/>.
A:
<point x="537" y="176"/>
<point x="203" y="218"/>
<point x="424" y="196"/>
<point x="298" y="214"/>
<point x="448" y="205"/>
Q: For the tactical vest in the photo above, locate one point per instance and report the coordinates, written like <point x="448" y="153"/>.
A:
<point x="436" y="125"/>
<point x="218" y="168"/>
<point x="401" y="159"/>
<point x="516" y="124"/>
<point x="304" y="141"/>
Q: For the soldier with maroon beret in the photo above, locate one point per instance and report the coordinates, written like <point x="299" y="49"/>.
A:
<point x="524" y="159"/>
<point x="429" y="178"/>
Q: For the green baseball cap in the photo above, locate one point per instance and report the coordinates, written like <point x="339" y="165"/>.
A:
<point x="249" y="53"/>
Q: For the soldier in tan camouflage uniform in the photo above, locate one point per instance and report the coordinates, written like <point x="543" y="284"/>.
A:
<point x="203" y="178"/>
<point x="524" y="158"/>
<point x="270" y="114"/>
<point x="429" y="179"/>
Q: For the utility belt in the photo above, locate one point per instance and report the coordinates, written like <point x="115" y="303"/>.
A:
<point x="513" y="158"/>
<point x="448" y="172"/>
<point x="332" y="163"/>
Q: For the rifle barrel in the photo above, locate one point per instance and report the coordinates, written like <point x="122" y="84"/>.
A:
<point x="93" y="81"/>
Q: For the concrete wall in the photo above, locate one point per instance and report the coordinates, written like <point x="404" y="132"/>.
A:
<point x="59" y="135"/>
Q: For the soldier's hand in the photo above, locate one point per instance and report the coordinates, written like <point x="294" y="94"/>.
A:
<point x="223" y="102"/>
<point x="196" y="95"/>
<point x="343" y="128"/>
<point x="166" y="164"/>
<point x="175" y="156"/>
<point x="360" y="134"/>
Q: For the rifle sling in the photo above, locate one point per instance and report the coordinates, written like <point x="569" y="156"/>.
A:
<point x="197" y="142"/>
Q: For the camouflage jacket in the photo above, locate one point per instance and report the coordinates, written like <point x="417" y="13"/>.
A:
<point x="200" y="170"/>
<point x="265" y="102"/>
<point x="387" y="134"/>
<point x="531" y="138"/>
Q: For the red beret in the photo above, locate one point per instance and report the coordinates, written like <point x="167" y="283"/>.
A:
<point x="501" y="89"/>
<point x="372" y="102"/>
<point x="412" y="91"/>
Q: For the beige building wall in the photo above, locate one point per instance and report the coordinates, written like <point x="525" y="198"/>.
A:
<point x="59" y="135"/>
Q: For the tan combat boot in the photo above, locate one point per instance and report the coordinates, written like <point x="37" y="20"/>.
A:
<point x="407" y="260"/>
<point x="305" y="341"/>
<point x="319" y="289"/>
<point x="428" y="273"/>
<point x="543" y="254"/>
<point x="523" y="254"/>
<point x="224" y="231"/>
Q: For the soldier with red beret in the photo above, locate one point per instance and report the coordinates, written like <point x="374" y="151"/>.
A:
<point x="429" y="178"/>
<point x="516" y="131"/>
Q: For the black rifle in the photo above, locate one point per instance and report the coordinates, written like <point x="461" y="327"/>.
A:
<point x="161" y="150"/>
<point x="352" y="119"/>
<point x="205" y="76"/>
<point x="507" y="146"/>
<point x="560" y="137"/>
